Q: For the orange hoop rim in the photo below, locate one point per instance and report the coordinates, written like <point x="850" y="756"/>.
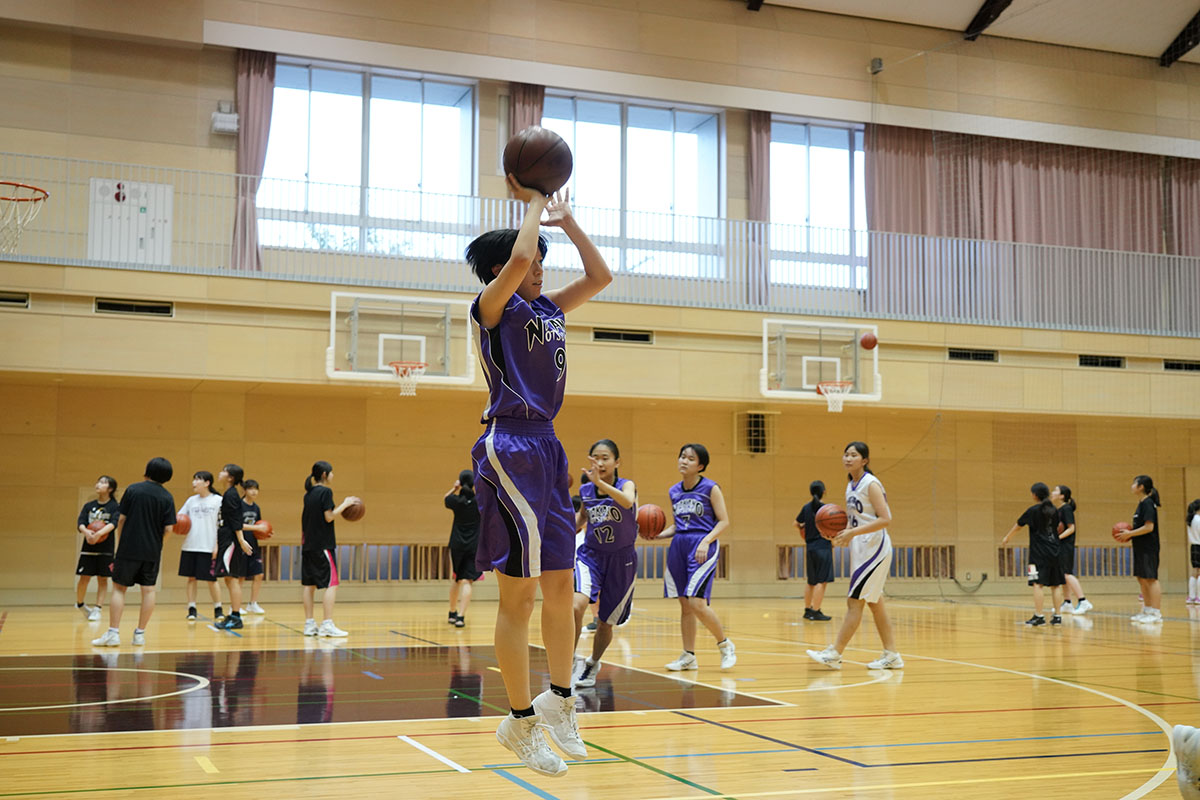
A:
<point x="405" y="366"/>
<point x="838" y="386"/>
<point x="43" y="194"/>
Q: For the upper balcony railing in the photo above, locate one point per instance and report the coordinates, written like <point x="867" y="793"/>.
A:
<point x="169" y="220"/>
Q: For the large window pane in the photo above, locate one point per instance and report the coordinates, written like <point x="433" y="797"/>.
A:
<point x="286" y="166"/>
<point x="335" y="133"/>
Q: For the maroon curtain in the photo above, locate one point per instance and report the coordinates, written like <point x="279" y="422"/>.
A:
<point x="255" y="94"/>
<point x="1183" y="196"/>
<point x="524" y="106"/>
<point x="984" y="187"/>
<point x="758" y="206"/>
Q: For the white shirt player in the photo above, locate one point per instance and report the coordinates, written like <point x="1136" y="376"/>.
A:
<point x="1194" y="530"/>
<point x="861" y="513"/>
<point x="204" y="511"/>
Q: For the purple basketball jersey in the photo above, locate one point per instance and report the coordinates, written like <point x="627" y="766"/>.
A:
<point x="524" y="359"/>
<point x="693" y="507"/>
<point x="609" y="527"/>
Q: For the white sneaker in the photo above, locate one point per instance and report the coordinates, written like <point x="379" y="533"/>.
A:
<point x="728" y="654"/>
<point x="1067" y="608"/>
<point x="524" y="737"/>
<point x="685" y="661"/>
<point x="94" y="614"/>
<point x="255" y="608"/>
<point x="84" y="609"/>
<point x="889" y="660"/>
<point x="1084" y="607"/>
<point x="587" y="675"/>
<point x="329" y="629"/>
<point x="139" y="638"/>
<point x="829" y="657"/>
<point x="560" y="721"/>
<point x="310" y="627"/>
<point x="1139" y="617"/>
<point x="110" y="638"/>
<point x="1153" y="615"/>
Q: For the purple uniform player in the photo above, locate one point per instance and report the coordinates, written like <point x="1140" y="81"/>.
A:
<point x="606" y="562"/>
<point x="699" y="518"/>
<point x="526" y="530"/>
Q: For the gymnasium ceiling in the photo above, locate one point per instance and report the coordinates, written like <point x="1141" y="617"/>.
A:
<point x="1115" y="26"/>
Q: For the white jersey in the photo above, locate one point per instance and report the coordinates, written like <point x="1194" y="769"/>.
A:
<point x="204" y="511"/>
<point x="871" y="553"/>
<point x="1194" y="530"/>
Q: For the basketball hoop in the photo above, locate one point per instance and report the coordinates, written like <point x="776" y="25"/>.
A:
<point x="19" y="204"/>
<point x="835" y="393"/>
<point x="407" y="373"/>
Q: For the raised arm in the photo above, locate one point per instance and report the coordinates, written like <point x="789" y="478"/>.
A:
<point x="495" y="295"/>
<point x="596" y="274"/>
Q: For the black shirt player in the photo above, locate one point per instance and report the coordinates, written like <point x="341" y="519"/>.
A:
<point x="464" y="539"/>
<point x="818" y="559"/>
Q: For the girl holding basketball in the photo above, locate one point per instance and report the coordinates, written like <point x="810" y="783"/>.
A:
<point x="698" y="508"/>
<point x="1042" y="519"/>
<point x="870" y="558"/>
<point x="1061" y="497"/>
<point x="606" y="562"/>
<point x="522" y="483"/>
<point x="318" y="548"/>
<point x="97" y="521"/>
<point x="1144" y="536"/>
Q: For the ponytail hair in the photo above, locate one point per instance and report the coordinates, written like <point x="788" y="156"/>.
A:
<point x="1147" y="484"/>
<point x="864" y="451"/>
<point x="1065" y="491"/>
<point x="1042" y="492"/>
<point x="320" y="471"/>
<point x="235" y="472"/>
<point x="466" y="480"/>
<point x="817" y="490"/>
<point x="1193" y="510"/>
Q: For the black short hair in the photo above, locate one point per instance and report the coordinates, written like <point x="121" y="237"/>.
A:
<point x="249" y="483"/>
<point x="493" y="249"/>
<point x="205" y="476"/>
<point x="159" y="470"/>
<point x="701" y="454"/>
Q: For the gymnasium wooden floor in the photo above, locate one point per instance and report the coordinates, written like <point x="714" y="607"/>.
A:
<point x="986" y="708"/>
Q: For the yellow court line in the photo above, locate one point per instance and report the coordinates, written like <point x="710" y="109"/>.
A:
<point x="856" y="788"/>
<point x="207" y="765"/>
<point x="494" y="669"/>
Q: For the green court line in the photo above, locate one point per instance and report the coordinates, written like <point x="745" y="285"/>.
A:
<point x="233" y="783"/>
<point x="644" y="765"/>
<point x="479" y="700"/>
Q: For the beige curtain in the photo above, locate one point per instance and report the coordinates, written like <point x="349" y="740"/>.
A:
<point x="524" y="106"/>
<point x="255" y="94"/>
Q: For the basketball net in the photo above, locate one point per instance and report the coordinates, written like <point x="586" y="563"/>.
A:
<point x="835" y="393"/>
<point x="19" y="204"/>
<point x="407" y="373"/>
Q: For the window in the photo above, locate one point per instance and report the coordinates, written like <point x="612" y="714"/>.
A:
<point x="818" y="202"/>
<point x="655" y="213"/>
<point x="360" y="161"/>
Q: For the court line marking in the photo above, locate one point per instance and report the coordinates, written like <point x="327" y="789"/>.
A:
<point x="207" y="765"/>
<point x="429" y="751"/>
<point x="419" y="639"/>
<point x="370" y="674"/>
<point x="652" y="768"/>
<point x="525" y="785"/>
<point x="884" y="677"/>
<point x="884" y="787"/>
<point x="981" y="741"/>
<point x="3" y="617"/>
<point x="202" y="683"/>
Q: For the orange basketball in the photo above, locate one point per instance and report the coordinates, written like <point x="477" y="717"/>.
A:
<point x="264" y="534"/>
<point x="96" y="525"/>
<point x="650" y="521"/>
<point x="868" y="341"/>
<point x="355" y="511"/>
<point x="183" y="524"/>
<point x="1121" y="527"/>
<point x="831" y="520"/>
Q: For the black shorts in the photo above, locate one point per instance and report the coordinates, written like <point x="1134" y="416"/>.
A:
<point x="462" y="561"/>
<point x="197" y="565"/>
<point x="818" y="565"/>
<point x="1195" y="556"/>
<point x="98" y="564"/>
<point x="231" y="561"/>
<point x="1049" y="570"/>
<point x="254" y="565"/>
<point x="318" y="568"/>
<point x="1145" y="564"/>
<point x="135" y="573"/>
<point x="1066" y="556"/>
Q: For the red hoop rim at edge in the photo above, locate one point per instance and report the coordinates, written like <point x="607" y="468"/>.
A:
<point x="399" y="365"/>
<point x="839" y="384"/>
<point x="44" y="194"/>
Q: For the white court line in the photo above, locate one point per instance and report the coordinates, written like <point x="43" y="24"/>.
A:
<point x="431" y="752"/>
<point x="201" y="682"/>
<point x="885" y="676"/>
